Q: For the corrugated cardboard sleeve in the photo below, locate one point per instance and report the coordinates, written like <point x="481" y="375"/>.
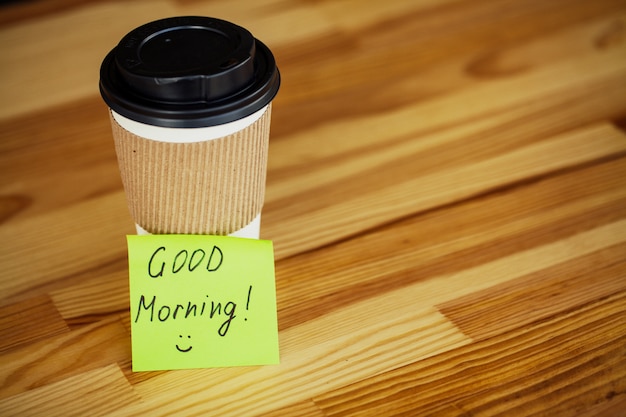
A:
<point x="208" y="187"/>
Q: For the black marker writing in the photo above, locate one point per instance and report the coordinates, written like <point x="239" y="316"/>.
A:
<point x="159" y="261"/>
<point x="146" y="309"/>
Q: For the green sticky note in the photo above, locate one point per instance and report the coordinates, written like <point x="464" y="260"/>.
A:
<point x="200" y="301"/>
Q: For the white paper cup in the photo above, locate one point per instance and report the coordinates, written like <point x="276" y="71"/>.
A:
<point x="190" y="102"/>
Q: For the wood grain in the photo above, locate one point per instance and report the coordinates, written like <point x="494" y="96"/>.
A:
<point x="446" y="194"/>
<point x="25" y="322"/>
<point x="106" y="387"/>
<point x="540" y="369"/>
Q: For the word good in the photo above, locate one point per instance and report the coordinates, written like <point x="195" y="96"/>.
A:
<point x="184" y="261"/>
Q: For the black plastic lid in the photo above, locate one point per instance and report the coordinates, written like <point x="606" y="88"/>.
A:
<point x="188" y="72"/>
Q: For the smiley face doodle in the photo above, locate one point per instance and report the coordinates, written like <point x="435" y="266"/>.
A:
<point x="184" y="349"/>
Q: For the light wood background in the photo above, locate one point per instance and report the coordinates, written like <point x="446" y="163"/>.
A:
<point x="446" y="196"/>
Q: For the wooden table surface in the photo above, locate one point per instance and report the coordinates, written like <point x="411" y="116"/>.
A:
<point x="446" y="195"/>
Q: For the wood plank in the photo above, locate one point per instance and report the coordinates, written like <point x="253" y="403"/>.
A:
<point x="303" y="409"/>
<point x="99" y="243"/>
<point x="577" y="75"/>
<point x="22" y="11"/>
<point x="92" y="298"/>
<point x="29" y="321"/>
<point x="540" y="295"/>
<point x="95" y="393"/>
<point x="561" y="364"/>
<point x="440" y="64"/>
<point x="614" y="406"/>
<point x="429" y="184"/>
<point x="449" y="240"/>
<point x="63" y="356"/>
<point x="435" y="31"/>
<point x="57" y="153"/>
<point x="349" y="181"/>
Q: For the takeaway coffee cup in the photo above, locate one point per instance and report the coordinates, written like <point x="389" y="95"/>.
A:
<point x="190" y="103"/>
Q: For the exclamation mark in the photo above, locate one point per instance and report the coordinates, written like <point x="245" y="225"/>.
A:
<point x="248" y="302"/>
